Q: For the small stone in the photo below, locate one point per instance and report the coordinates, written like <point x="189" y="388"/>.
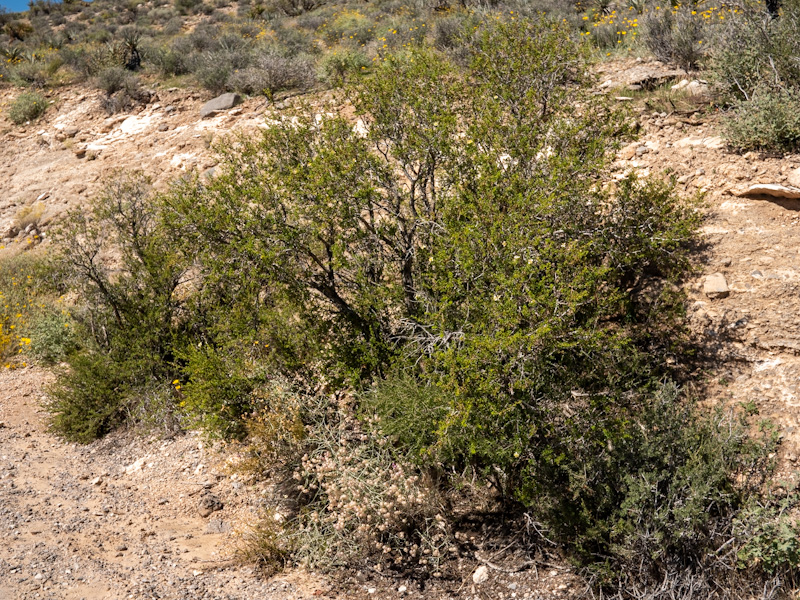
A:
<point x="121" y="548"/>
<point x="793" y="178"/>
<point x="163" y="127"/>
<point x="757" y="274"/>
<point x="696" y="88"/>
<point x="684" y="179"/>
<point x="726" y="262"/>
<point x="96" y="481"/>
<point x="135" y="466"/>
<point x="402" y="589"/>
<point x="371" y="590"/>
<point x="716" y="286"/>
<point x="71" y="132"/>
<point x="480" y="575"/>
<point x="79" y="152"/>
<point x="628" y="152"/>
<point x="641" y="151"/>
<point x="209" y="504"/>
<point x="220" y="103"/>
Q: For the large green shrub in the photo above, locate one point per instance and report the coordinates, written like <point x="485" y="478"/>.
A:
<point x="455" y="262"/>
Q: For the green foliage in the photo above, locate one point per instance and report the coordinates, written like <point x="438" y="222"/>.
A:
<point x="129" y="318"/>
<point x="52" y="337"/>
<point x="676" y="36"/>
<point x="89" y="398"/>
<point x="456" y="261"/>
<point x="113" y="79"/>
<point x="272" y="73"/>
<point x="28" y="106"/>
<point x="340" y="65"/>
<point x="768" y="121"/>
<point x="755" y="51"/>
<point x="769" y="531"/>
<point x="219" y="393"/>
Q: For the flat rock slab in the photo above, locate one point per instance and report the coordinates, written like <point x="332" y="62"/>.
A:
<point x="223" y="102"/>
<point x="642" y="76"/>
<point x="770" y="189"/>
<point x="716" y="286"/>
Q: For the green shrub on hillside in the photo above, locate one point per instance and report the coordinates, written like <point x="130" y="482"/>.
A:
<point x="130" y="318"/>
<point x="454" y="270"/>
<point x="769" y="121"/>
<point x="28" y="106"/>
<point x="677" y="36"/>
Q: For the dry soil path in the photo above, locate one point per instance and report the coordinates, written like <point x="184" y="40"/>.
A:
<point x="119" y="518"/>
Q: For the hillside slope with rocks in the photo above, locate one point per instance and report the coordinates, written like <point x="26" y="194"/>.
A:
<point x="132" y="517"/>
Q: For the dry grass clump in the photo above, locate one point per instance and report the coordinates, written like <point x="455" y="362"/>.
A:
<point x="346" y="496"/>
<point x="29" y="215"/>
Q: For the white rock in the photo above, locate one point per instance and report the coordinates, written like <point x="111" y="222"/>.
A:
<point x="480" y="575"/>
<point x="402" y="589"/>
<point x="135" y="466"/>
<point x="794" y="178"/>
<point x="96" y="481"/>
<point x="696" y="88"/>
<point x="716" y="286"/>
<point x="770" y="189"/>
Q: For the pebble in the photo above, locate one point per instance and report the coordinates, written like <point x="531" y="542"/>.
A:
<point x="480" y="575"/>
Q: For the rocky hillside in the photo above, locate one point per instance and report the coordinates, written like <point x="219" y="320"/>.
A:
<point x="128" y="517"/>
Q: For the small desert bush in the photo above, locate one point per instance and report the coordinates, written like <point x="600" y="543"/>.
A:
<point x="677" y="35"/>
<point x="768" y="121"/>
<point x="28" y="281"/>
<point x="30" y="73"/>
<point x="128" y="318"/>
<point x="29" y="215"/>
<point x="127" y="93"/>
<point x="113" y="79"/>
<point x="52" y="335"/>
<point x="271" y="73"/>
<point x="339" y="65"/>
<point x="347" y="495"/>
<point x="28" y="106"/>
<point x="756" y="74"/>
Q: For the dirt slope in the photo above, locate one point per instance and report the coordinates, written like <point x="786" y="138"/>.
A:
<point x="118" y="518"/>
<point x="755" y="244"/>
